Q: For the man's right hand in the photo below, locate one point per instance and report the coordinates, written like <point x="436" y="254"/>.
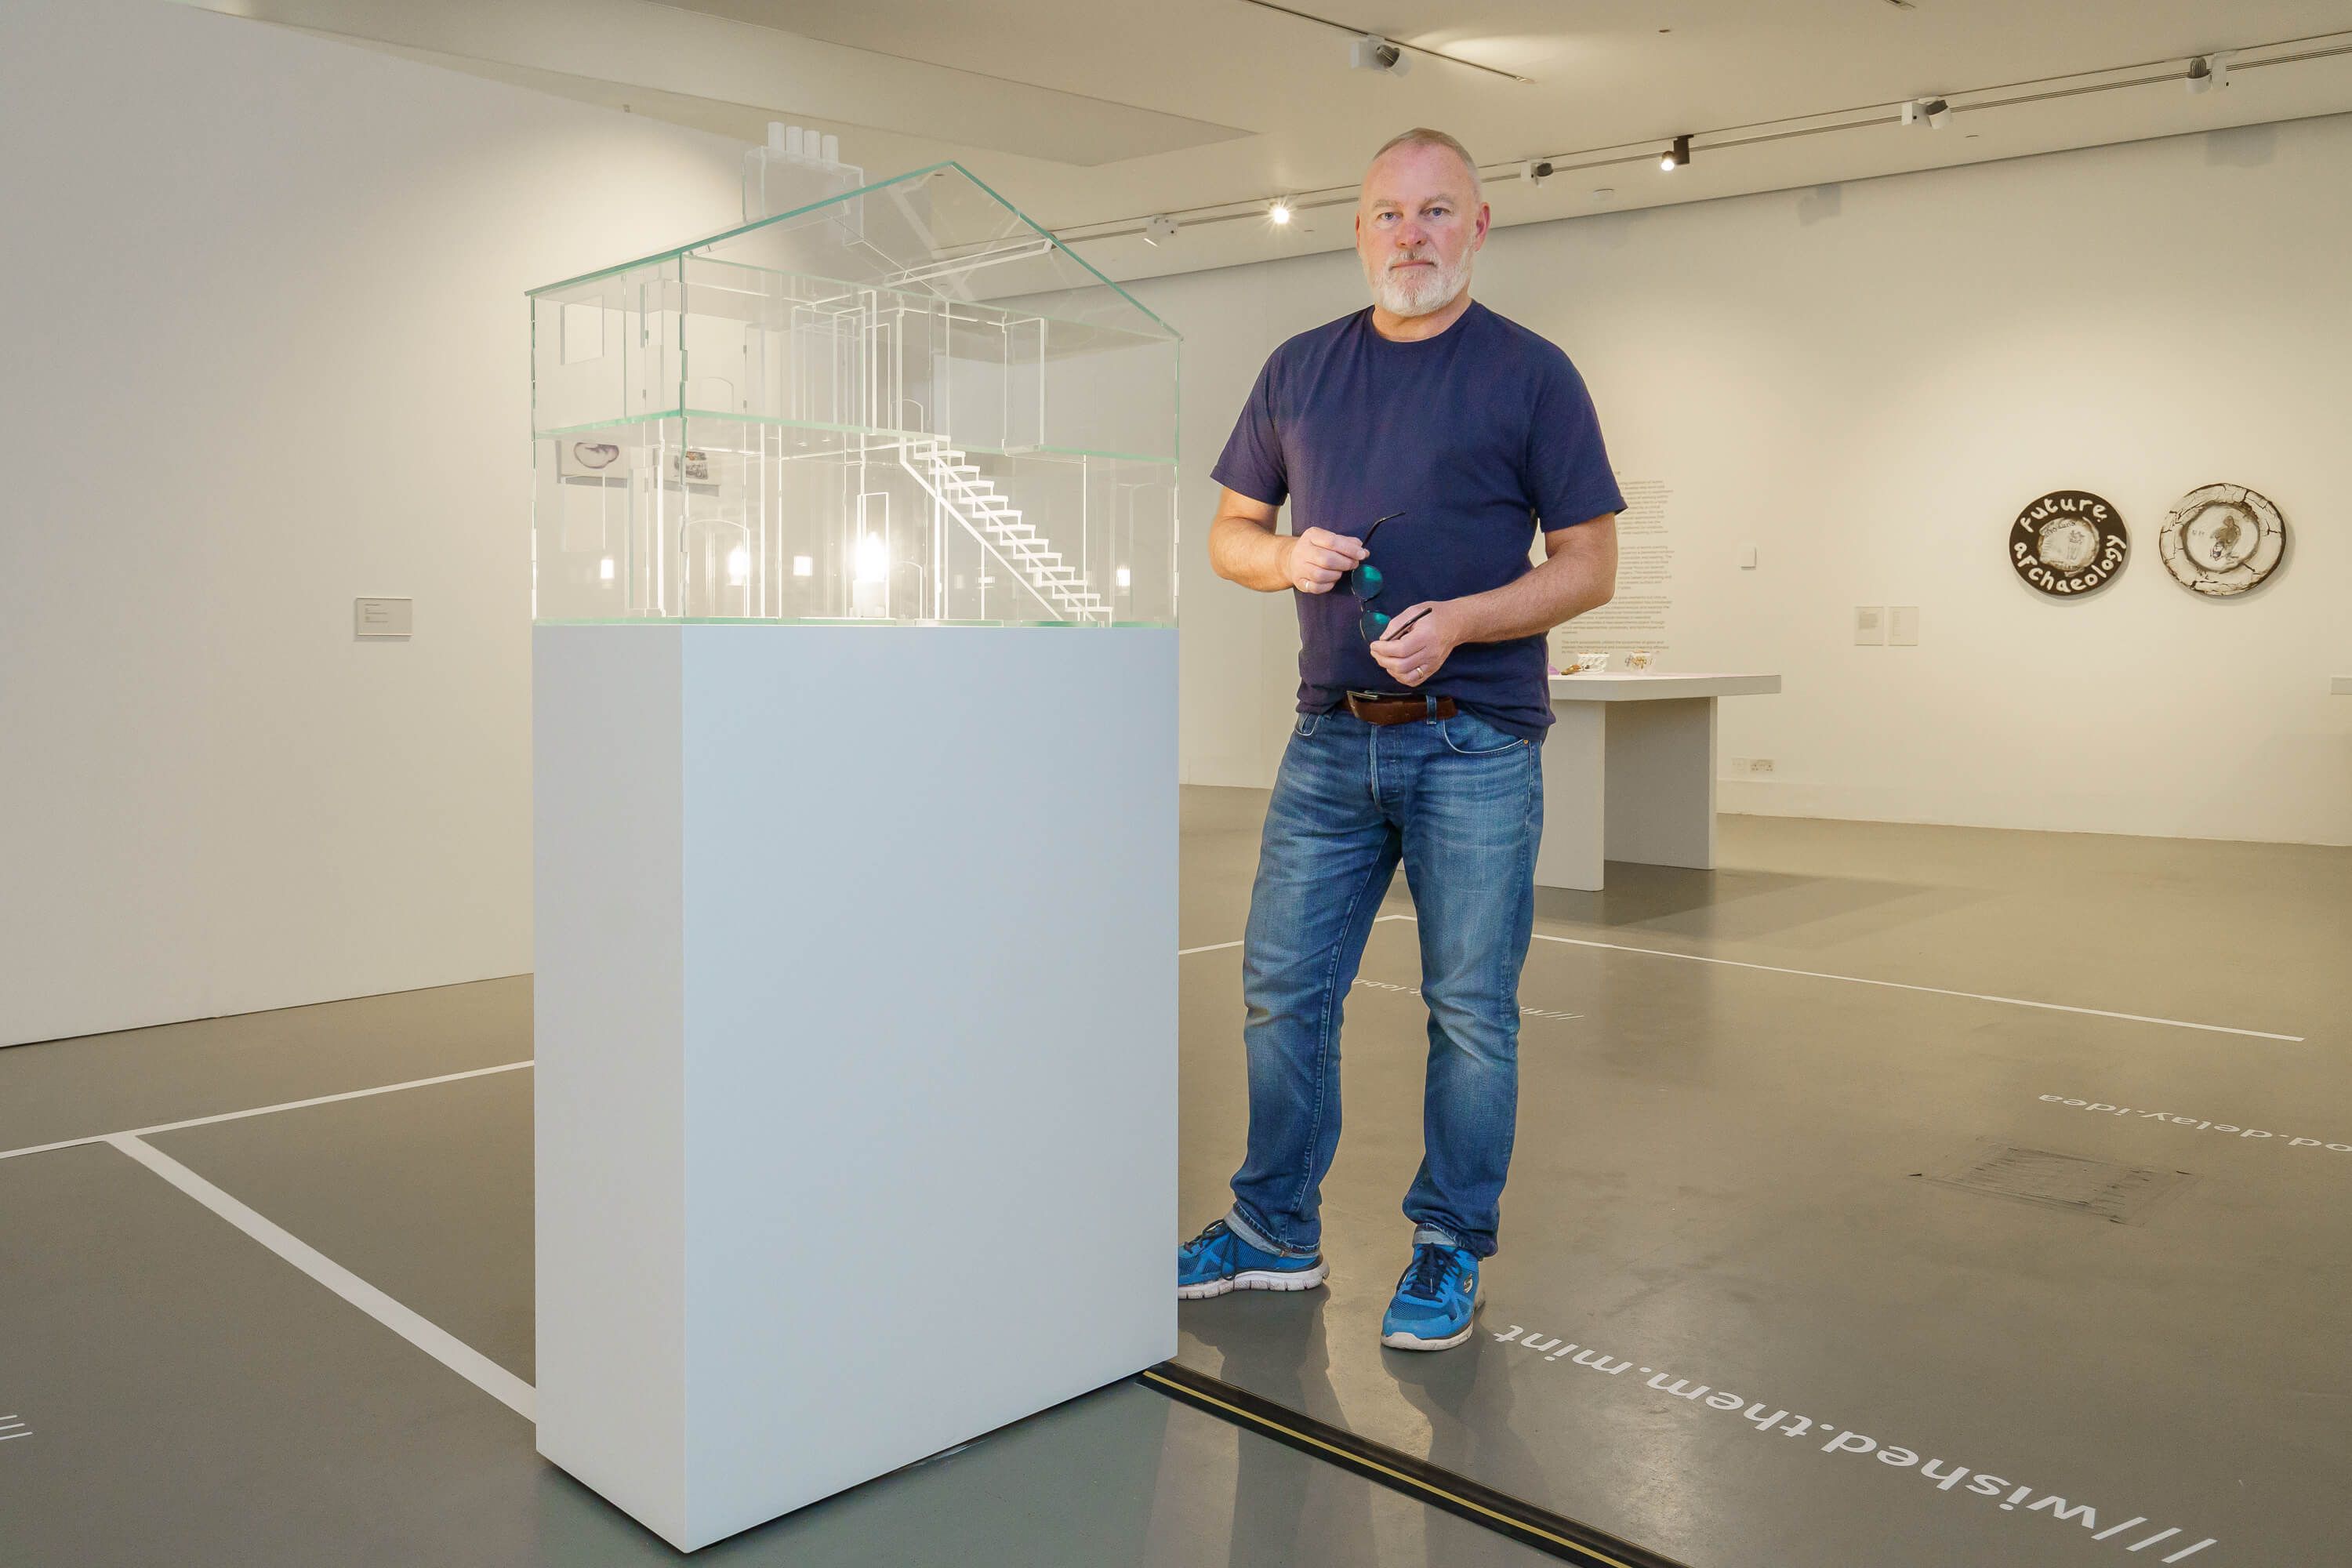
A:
<point x="1316" y="560"/>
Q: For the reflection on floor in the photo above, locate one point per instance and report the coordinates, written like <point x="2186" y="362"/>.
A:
<point x="1734" y="1320"/>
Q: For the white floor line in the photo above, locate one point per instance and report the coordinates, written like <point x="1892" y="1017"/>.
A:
<point x="1889" y="984"/>
<point x="266" y="1109"/>
<point x="1415" y="991"/>
<point x="381" y="1089"/>
<point x="458" y="1357"/>
<point x="1930" y="990"/>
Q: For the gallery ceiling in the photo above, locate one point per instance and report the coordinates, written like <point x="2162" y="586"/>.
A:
<point x="1092" y="115"/>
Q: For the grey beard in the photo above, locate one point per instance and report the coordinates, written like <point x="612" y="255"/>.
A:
<point x="1399" y="297"/>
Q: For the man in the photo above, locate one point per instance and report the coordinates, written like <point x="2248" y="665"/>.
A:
<point x="1422" y="702"/>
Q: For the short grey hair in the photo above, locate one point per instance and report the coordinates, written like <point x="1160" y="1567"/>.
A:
<point x="1422" y="136"/>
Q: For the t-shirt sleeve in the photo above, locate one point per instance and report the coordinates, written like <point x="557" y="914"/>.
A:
<point x="1566" y="464"/>
<point x="1252" y="461"/>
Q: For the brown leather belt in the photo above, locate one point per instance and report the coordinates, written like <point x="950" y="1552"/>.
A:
<point x="1397" y="706"/>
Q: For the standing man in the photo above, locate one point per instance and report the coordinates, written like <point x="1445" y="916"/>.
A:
<point x="1422" y="702"/>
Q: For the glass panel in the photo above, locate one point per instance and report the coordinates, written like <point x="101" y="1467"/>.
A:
<point x="908" y="403"/>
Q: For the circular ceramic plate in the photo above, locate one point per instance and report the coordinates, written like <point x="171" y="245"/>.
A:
<point x="2067" y="543"/>
<point x="2221" y="540"/>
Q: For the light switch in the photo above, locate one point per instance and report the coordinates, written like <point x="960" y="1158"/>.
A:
<point x="383" y="617"/>
<point x="1870" y="626"/>
<point x="1903" y="627"/>
<point x="1747" y="558"/>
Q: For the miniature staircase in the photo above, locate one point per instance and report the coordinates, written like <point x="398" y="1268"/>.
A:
<point x="964" y="490"/>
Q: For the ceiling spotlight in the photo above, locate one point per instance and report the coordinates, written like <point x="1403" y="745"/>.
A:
<point x="1373" y="53"/>
<point x="1934" y="110"/>
<point x="1676" y="155"/>
<point x="1536" y="171"/>
<point x="1158" y="228"/>
<point x="2207" y="72"/>
<point x="1279" y="214"/>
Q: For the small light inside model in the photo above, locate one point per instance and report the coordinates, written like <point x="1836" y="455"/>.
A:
<point x="1676" y="155"/>
<point x="739" y="566"/>
<point x="872" y="558"/>
<point x="1158" y="229"/>
<point x="604" y="570"/>
<point x="803" y="567"/>
<point x="1279" y="214"/>
<point x="1125" y="579"/>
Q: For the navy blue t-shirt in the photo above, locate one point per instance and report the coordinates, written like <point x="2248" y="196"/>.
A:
<point x="1475" y="435"/>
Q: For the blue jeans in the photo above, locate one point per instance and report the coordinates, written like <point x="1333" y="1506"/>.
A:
<point x="1460" y="803"/>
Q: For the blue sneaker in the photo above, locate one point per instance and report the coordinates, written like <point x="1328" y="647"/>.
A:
<point x="1434" y="1301"/>
<point x="1216" y="1261"/>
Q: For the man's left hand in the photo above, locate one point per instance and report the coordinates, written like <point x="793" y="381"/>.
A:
<point x="1422" y="651"/>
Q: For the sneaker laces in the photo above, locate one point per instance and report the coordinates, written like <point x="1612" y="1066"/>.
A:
<point x="1432" y="1265"/>
<point x="1212" y="1231"/>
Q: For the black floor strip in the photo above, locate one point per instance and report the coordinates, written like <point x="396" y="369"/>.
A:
<point x="1522" y="1522"/>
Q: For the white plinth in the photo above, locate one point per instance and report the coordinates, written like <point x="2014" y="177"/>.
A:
<point x="856" y="996"/>
<point x="1629" y="772"/>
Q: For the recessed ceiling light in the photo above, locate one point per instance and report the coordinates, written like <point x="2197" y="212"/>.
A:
<point x="1279" y="213"/>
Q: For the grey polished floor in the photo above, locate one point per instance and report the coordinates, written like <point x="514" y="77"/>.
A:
<point x="1721" y="1187"/>
<point x="1723" y="1182"/>
<point x="192" y="1399"/>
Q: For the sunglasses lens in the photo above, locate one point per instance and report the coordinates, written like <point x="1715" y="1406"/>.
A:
<point x="1367" y="581"/>
<point x="1371" y="623"/>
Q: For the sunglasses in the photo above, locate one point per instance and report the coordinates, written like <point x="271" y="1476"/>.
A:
<point x="1365" y="582"/>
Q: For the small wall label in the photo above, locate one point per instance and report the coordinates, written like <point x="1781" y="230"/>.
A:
<point x="373" y="618"/>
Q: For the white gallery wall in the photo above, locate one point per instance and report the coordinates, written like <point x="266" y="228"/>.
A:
<point x="1867" y="382"/>
<point x="267" y="353"/>
<point x="270" y="355"/>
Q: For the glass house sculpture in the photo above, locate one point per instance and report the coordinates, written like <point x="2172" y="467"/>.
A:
<point x="906" y="403"/>
<point x="854" y="857"/>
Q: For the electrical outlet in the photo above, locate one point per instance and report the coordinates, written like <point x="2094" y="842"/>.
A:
<point x="1760" y="765"/>
<point x="1734" y="766"/>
